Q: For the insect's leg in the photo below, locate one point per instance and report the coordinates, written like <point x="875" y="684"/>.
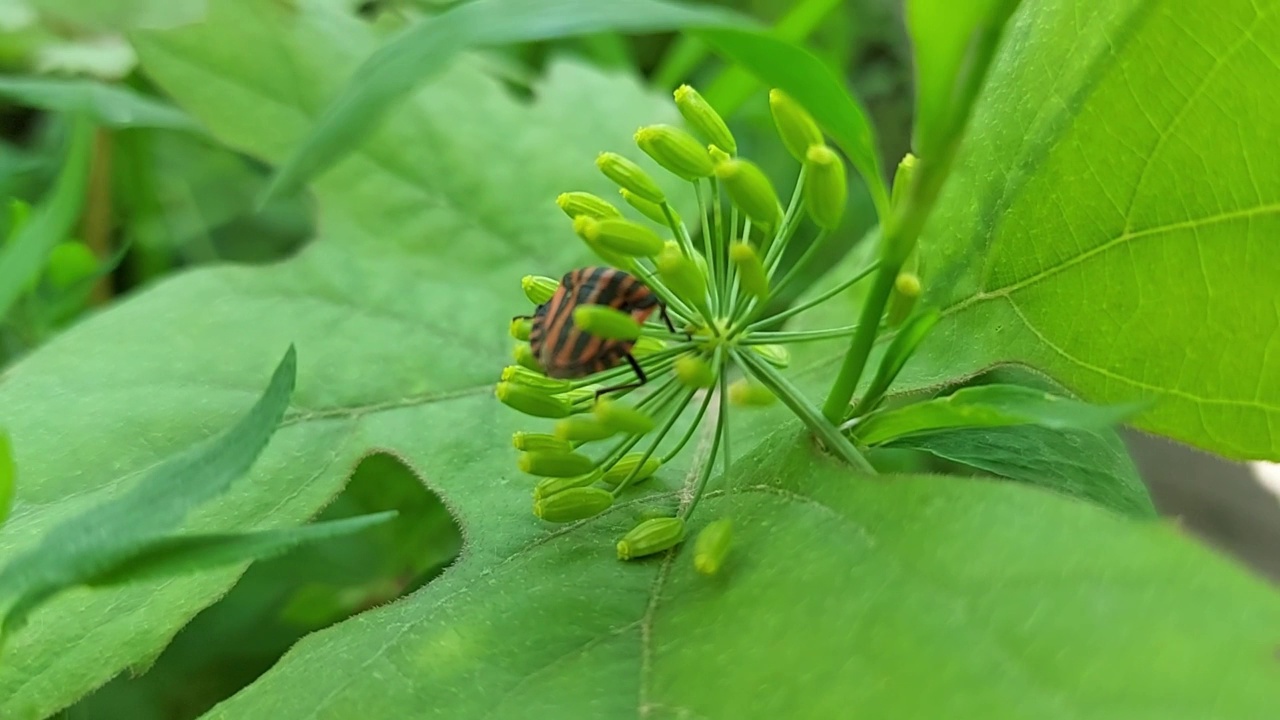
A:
<point x="640" y="376"/>
<point x="521" y="317"/>
<point x="662" y="311"/>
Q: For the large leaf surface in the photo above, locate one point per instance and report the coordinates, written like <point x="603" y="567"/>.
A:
<point x="899" y="595"/>
<point x="399" y="315"/>
<point x="1111" y="220"/>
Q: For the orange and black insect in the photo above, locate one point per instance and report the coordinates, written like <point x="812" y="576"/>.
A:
<point x="564" y="351"/>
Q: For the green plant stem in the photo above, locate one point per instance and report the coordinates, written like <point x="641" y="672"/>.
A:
<point x="657" y="440"/>
<point x="796" y="268"/>
<point x="831" y="436"/>
<point x="719" y="245"/>
<point x="774" y="243"/>
<point x="689" y="433"/>
<point x="674" y="304"/>
<point x="679" y="230"/>
<point x="705" y="218"/>
<point x="897" y="241"/>
<point x="766" y="338"/>
<point x="790" y="312"/>
<point x="721" y="432"/>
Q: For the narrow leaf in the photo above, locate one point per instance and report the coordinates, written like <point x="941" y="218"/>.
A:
<point x="93" y="542"/>
<point x="895" y="357"/>
<point x="114" y="106"/>
<point x="25" y="253"/>
<point x="421" y="51"/>
<point x="1092" y="465"/>
<point x="991" y="406"/>
<point x="179" y="554"/>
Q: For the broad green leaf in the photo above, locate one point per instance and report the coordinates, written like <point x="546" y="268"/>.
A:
<point x="423" y="50"/>
<point x="901" y="597"/>
<point x="7" y="472"/>
<point x="23" y="255"/>
<point x="107" y="538"/>
<point x="399" y="311"/>
<point x="1092" y="465"/>
<point x="179" y="554"/>
<point x="106" y="104"/>
<point x="994" y="405"/>
<point x="1110" y="217"/>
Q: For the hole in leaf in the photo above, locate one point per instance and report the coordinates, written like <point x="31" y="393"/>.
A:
<point x="233" y="642"/>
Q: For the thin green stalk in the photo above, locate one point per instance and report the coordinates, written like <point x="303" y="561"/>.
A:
<point x="855" y="360"/>
<point x="731" y="270"/>
<point x="719" y="244"/>
<point x="674" y="304"/>
<point x="651" y="363"/>
<point x="679" y="230"/>
<point x="705" y="219"/>
<point x="774" y="243"/>
<point x="653" y="446"/>
<point x="835" y="441"/>
<point x="796" y="268"/>
<point x="721" y="436"/>
<point x="796" y="310"/>
<point x="766" y="338"/>
<point x="689" y="433"/>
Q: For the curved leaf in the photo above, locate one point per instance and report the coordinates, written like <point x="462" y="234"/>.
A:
<point x="106" y="104"/>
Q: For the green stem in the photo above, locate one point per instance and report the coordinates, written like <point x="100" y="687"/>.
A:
<point x="835" y="441"/>
<point x="790" y="312"/>
<point x="677" y="227"/>
<point x="765" y="338"/>
<point x="674" y="304"/>
<point x="794" y="272"/>
<point x="855" y="360"/>
<point x="705" y="219"/>
<point x="773" y="244"/>
<point x="721" y="432"/>
<point x="653" y="446"/>
<point x="689" y="433"/>
<point x="719" y="245"/>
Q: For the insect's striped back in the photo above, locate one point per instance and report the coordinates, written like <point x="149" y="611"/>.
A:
<point x="563" y="349"/>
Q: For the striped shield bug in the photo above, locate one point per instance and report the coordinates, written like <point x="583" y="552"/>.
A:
<point x="565" y="350"/>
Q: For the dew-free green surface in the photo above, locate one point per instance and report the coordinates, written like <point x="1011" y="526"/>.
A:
<point x="899" y="597"/>
<point x="1112" y="216"/>
<point x="107" y="105"/>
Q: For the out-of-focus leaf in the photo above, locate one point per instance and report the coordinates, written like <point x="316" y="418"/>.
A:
<point x="106" y="104"/>
<point x="24" y="255"/>
<point x="121" y="15"/>
<point x="1092" y="465"/>
<point x="106" y="536"/>
<point x="990" y="406"/>
<point x="178" y="554"/>
<point x="7" y="473"/>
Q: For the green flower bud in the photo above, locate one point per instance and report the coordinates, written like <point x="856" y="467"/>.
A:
<point x="623" y="418"/>
<point x="694" y="372"/>
<point x="584" y="203"/>
<point x="606" y="322"/>
<point x="630" y="176"/>
<point x="555" y="464"/>
<point x="583" y="429"/>
<point x="902" y="179"/>
<point x="776" y="355"/>
<point x="746" y="393"/>
<point x="906" y="289"/>
<point x="704" y="119"/>
<point x="717" y="155"/>
<point x="539" y="442"/>
<point x="751" y="191"/>
<point x="650" y="537"/>
<point x="588" y="229"/>
<point x="647" y="346"/>
<point x="521" y="327"/>
<point x="538" y="289"/>
<point x="825" y="187"/>
<point x="712" y="546"/>
<point x="755" y="280"/>
<point x="795" y="125"/>
<point x="532" y="401"/>
<point x="682" y="275"/>
<point x="547" y="487"/>
<point x="525" y="376"/>
<point x="523" y="355"/>
<point x="622" y="237"/>
<point x="573" y="504"/>
<point x="621" y="469"/>
<point x="578" y="395"/>
<point x="675" y="150"/>
<point x="653" y="211"/>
